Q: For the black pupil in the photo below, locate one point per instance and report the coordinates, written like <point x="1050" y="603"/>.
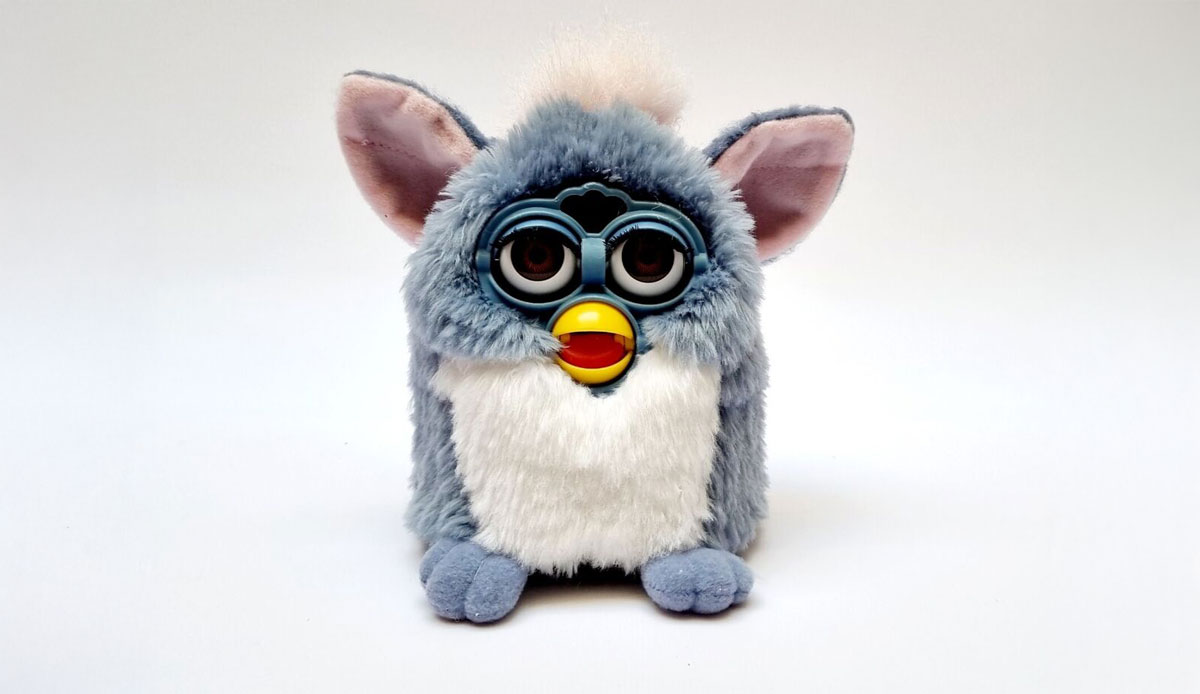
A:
<point x="648" y="256"/>
<point x="537" y="256"/>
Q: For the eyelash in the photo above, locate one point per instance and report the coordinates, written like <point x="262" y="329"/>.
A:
<point x="615" y="240"/>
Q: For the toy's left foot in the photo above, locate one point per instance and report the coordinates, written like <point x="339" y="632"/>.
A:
<point x="701" y="580"/>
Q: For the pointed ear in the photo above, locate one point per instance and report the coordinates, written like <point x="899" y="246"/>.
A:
<point x="787" y="165"/>
<point x="402" y="145"/>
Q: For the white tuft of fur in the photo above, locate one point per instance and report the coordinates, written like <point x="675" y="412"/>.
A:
<point x="599" y="69"/>
<point x="558" y="477"/>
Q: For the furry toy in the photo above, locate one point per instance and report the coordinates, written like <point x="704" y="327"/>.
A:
<point x="587" y="368"/>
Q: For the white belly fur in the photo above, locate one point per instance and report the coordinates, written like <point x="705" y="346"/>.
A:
<point x="558" y="477"/>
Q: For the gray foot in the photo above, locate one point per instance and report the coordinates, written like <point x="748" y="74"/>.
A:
<point x="701" y="580"/>
<point x="465" y="581"/>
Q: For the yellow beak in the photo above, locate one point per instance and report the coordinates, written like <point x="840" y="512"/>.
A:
<point x="598" y="342"/>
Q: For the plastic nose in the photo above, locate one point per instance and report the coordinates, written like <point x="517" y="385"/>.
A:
<point x="598" y="342"/>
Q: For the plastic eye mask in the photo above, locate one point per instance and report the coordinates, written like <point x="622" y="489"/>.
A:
<point x="591" y="241"/>
<point x="590" y="261"/>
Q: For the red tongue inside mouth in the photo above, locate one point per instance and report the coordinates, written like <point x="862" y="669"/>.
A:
<point x="592" y="350"/>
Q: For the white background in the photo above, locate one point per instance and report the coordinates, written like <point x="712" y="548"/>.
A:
<point x="983" y="425"/>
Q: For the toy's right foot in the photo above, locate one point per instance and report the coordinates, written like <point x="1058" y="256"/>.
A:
<point x="465" y="581"/>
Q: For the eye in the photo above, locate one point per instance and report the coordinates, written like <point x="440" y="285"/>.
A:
<point x="537" y="263"/>
<point x="648" y="265"/>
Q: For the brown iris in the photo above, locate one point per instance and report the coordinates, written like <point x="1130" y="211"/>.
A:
<point x="537" y="256"/>
<point x="648" y="256"/>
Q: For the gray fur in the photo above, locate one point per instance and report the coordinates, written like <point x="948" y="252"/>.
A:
<point x="439" y="508"/>
<point x="560" y="144"/>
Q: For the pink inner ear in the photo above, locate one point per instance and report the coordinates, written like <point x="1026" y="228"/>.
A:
<point x="402" y="148"/>
<point x="788" y="172"/>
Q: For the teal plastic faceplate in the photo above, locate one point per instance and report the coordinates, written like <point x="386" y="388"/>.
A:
<point x="592" y="255"/>
<point x="593" y="249"/>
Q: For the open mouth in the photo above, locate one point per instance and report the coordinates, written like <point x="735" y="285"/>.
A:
<point x="594" y="350"/>
<point x="597" y="342"/>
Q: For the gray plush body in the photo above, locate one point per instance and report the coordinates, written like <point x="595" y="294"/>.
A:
<point x="752" y="194"/>
<point x="717" y="322"/>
